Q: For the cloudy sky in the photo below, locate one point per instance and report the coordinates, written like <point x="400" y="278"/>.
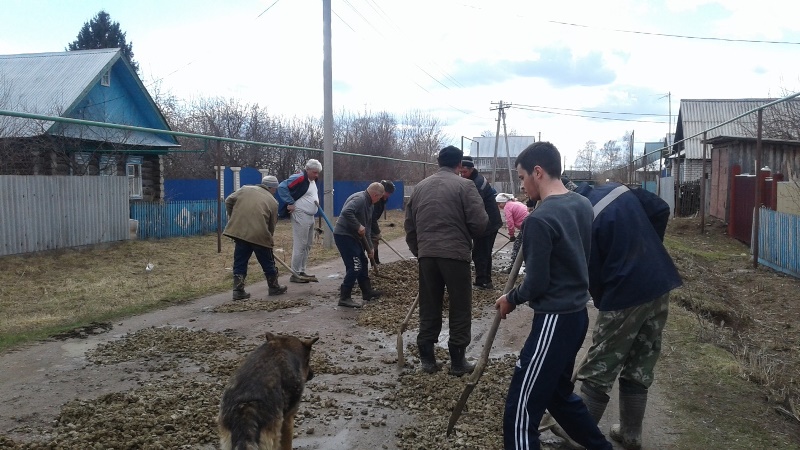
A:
<point x="564" y="66"/>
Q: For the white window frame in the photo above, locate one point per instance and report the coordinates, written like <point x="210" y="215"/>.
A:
<point x="133" y="170"/>
<point x="108" y="165"/>
<point x="105" y="79"/>
<point x="80" y="159"/>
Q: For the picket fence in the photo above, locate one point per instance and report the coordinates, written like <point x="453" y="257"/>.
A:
<point x="779" y="241"/>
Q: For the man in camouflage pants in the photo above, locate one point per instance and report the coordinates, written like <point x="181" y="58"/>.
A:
<point x="630" y="277"/>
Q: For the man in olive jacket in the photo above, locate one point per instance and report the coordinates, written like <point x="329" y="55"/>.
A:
<point x="252" y="214"/>
<point x="443" y="216"/>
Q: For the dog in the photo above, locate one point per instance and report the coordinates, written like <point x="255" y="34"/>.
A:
<point x="259" y="404"/>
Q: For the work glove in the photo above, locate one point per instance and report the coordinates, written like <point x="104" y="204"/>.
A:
<point x="511" y="239"/>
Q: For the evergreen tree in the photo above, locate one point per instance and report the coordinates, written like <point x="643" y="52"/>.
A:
<point x="101" y="32"/>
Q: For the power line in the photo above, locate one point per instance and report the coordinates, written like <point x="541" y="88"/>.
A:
<point x="682" y="36"/>
<point x="593" y="111"/>
<point x="586" y="116"/>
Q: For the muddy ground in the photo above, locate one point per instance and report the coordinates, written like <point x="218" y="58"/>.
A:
<point x="154" y="381"/>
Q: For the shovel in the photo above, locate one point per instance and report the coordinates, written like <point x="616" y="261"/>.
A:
<point x="293" y="272"/>
<point x="487" y="347"/>
<point x="395" y="251"/>
<point x="401" y="360"/>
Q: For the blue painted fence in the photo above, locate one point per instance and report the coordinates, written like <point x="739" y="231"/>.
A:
<point x="207" y="189"/>
<point x="191" y="206"/>
<point x="177" y="218"/>
<point x="779" y="241"/>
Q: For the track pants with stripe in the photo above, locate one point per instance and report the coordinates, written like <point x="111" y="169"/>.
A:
<point x="542" y="381"/>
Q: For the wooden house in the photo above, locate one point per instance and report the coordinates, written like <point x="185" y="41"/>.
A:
<point x="92" y="85"/>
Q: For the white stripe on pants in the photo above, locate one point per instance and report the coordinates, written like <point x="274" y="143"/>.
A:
<point x="534" y="367"/>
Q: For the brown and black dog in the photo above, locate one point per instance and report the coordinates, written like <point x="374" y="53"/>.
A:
<point x="259" y="404"/>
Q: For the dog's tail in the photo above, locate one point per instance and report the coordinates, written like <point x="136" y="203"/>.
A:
<point x="242" y="430"/>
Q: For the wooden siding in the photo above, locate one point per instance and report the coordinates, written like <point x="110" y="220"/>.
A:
<point x="779" y="241"/>
<point x="53" y="212"/>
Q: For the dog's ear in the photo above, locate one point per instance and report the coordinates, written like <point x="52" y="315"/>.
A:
<point x="309" y="342"/>
<point x="269" y="336"/>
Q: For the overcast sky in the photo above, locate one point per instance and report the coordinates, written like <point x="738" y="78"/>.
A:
<point x="562" y="65"/>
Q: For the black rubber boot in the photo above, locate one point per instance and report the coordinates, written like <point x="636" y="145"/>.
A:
<point x="274" y="287"/>
<point x="238" y="288"/>
<point x="632" y="403"/>
<point x="345" y="298"/>
<point x="427" y="356"/>
<point x="458" y="363"/>
<point x="367" y="293"/>
<point x="594" y="400"/>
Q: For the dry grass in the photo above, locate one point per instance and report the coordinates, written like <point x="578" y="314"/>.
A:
<point x="45" y="293"/>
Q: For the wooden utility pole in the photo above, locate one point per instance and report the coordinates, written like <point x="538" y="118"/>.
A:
<point x="512" y="184"/>
<point x="757" y="203"/>
<point x="501" y="115"/>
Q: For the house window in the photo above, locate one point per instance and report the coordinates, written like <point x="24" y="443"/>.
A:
<point x="80" y="163"/>
<point x="105" y="80"/>
<point x="108" y="165"/>
<point x="133" y="169"/>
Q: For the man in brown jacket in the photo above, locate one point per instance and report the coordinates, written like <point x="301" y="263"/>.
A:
<point x="443" y="216"/>
<point x="252" y="214"/>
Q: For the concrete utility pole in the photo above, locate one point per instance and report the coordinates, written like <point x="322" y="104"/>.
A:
<point x="327" y="139"/>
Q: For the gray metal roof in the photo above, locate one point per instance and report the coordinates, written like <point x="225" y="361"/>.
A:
<point x="516" y="144"/>
<point x="696" y="116"/>
<point x="48" y="83"/>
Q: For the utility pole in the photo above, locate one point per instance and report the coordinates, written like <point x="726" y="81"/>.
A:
<point x="511" y="182"/>
<point x="327" y="138"/>
<point x="630" y="160"/>
<point x="500" y="116"/>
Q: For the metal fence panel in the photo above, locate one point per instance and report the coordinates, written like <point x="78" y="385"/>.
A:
<point x="50" y="212"/>
<point x="778" y="241"/>
<point x="177" y="218"/>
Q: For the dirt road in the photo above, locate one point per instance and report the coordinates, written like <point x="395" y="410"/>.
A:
<point x="352" y="403"/>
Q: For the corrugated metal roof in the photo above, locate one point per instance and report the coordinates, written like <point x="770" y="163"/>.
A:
<point x="68" y="84"/>
<point x="48" y="83"/>
<point x="516" y="144"/>
<point x="695" y="116"/>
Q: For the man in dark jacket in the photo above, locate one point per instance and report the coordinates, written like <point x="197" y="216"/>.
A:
<point x="483" y="244"/>
<point x="377" y="211"/>
<point x="630" y="278"/>
<point x="352" y="235"/>
<point x="252" y="214"/>
<point x="443" y="215"/>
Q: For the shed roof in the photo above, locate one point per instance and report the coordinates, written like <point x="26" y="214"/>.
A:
<point x="696" y="116"/>
<point x="63" y="84"/>
<point x="483" y="147"/>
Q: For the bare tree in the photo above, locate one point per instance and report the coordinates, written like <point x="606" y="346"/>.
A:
<point x="586" y="158"/>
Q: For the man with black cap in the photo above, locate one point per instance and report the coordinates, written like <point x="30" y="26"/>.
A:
<point x="483" y="244"/>
<point x="252" y="215"/>
<point x="377" y="212"/>
<point x="443" y="215"/>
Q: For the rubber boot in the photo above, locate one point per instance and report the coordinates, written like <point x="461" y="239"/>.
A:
<point x="345" y="298"/>
<point x="375" y="252"/>
<point x="594" y="400"/>
<point x="274" y="287"/>
<point x="632" y="403"/>
<point x="238" y="288"/>
<point x="458" y="364"/>
<point x="427" y="356"/>
<point x="367" y="293"/>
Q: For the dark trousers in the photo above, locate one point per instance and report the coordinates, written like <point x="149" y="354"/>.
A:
<point x="242" y="251"/>
<point x="434" y="275"/>
<point x="354" y="258"/>
<point x="542" y="380"/>
<point x="482" y="257"/>
<point x="517" y="245"/>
